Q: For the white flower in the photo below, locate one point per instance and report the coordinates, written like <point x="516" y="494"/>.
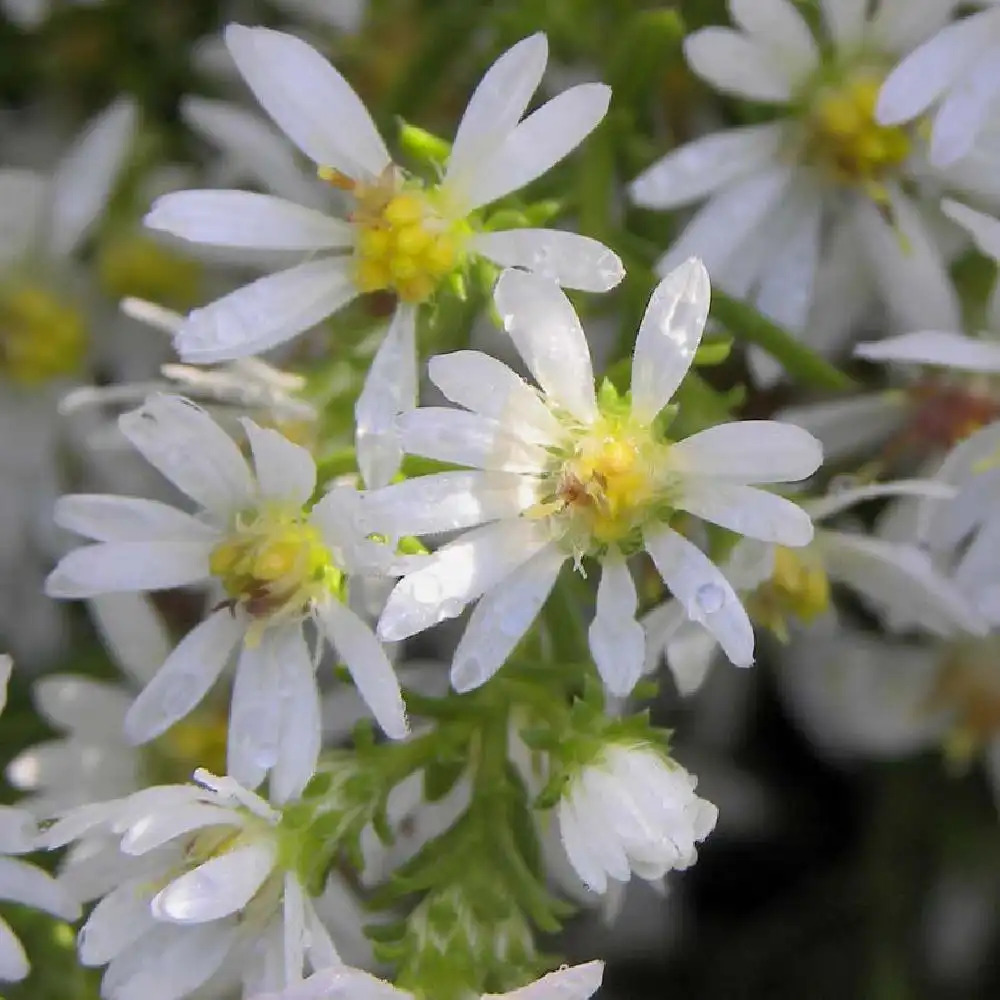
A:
<point x="21" y="882"/>
<point x="577" y="982"/>
<point x="956" y="73"/>
<point x="559" y="474"/>
<point x="400" y="235"/>
<point x="201" y="889"/>
<point x="280" y="561"/>
<point x="817" y="214"/>
<point x="632" y="810"/>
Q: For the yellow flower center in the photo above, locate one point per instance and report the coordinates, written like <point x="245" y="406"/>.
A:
<point x="798" y="586"/>
<point x="137" y="266"/>
<point x="274" y="564"/>
<point x="405" y="244"/>
<point x="197" y="740"/>
<point x="40" y="337"/>
<point x="845" y="139"/>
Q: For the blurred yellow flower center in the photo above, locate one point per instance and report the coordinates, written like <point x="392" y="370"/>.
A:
<point x="274" y="563"/>
<point x="798" y="586"/>
<point x="137" y="266"/>
<point x="845" y="138"/>
<point x="40" y="337"/>
<point x="404" y="243"/>
<point x="968" y="686"/>
<point x="198" y="740"/>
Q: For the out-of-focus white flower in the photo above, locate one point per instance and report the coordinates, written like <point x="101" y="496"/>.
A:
<point x="632" y="810"/>
<point x="399" y="236"/>
<point x="577" y="982"/>
<point x="31" y="13"/>
<point x="818" y="214"/>
<point x="957" y="73"/>
<point x="21" y="882"/>
<point x="280" y="561"/>
<point x="560" y="473"/>
<point x="201" y="889"/>
<point x="345" y="15"/>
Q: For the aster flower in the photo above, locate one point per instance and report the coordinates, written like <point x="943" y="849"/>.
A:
<point x="21" y="882"/>
<point x="400" y="236"/>
<point x="205" y="887"/>
<point x="562" y="473"/>
<point x="632" y="810"/>
<point x="821" y="213"/>
<point x="279" y="560"/>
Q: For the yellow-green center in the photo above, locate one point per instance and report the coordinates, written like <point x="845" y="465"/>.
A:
<point x="41" y="338"/>
<point x="798" y="587"/>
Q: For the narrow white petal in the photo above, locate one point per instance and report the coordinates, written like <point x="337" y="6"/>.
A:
<point x="106" y="518"/>
<point x="690" y="653"/>
<point x="497" y="105"/>
<point x="841" y="500"/>
<point x="576" y="982"/>
<point x="501" y="618"/>
<point x="737" y="65"/>
<point x="116" y="923"/>
<point x="186" y="445"/>
<point x="750" y="451"/>
<point x="704" y="592"/>
<point x="547" y="333"/>
<point x="778" y="26"/>
<point x="544" y="138"/>
<point x="185" y="678"/>
<point x="159" y="827"/>
<point x="617" y="640"/>
<point x="899" y="26"/>
<point x="267" y="312"/>
<point x="845" y="20"/>
<point x="83" y="181"/>
<point x="457" y="574"/>
<point x="578" y="849"/>
<point x="747" y="511"/>
<point x="23" y="202"/>
<point x="370" y="668"/>
<point x="308" y="100"/>
<point x="13" y="961"/>
<point x="984" y="229"/>
<point x="301" y="733"/>
<point x="245" y="219"/>
<point x="569" y="259"/>
<point x="85" y="707"/>
<point x="18" y="831"/>
<point x="935" y="347"/>
<point x="285" y="470"/>
<point x="965" y="110"/>
<point x="219" y="887"/>
<point x="21" y="882"/>
<point x="668" y="337"/>
<point x="390" y="389"/>
<point x="115" y="567"/>
<point x="133" y="632"/>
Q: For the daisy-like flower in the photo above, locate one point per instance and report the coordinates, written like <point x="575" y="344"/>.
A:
<point x="632" y="810"/>
<point x="577" y="982"/>
<point x="278" y="559"/>
<point x="21" y="882"/>
<point x="956" y="73"/>
<point x="821" y="213"/>
<point x="561" y="473"/>
<point x="205" y="886"/>
<point x="400" y="235"/>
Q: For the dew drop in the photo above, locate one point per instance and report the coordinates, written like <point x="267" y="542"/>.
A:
<point x="709" y="597"/>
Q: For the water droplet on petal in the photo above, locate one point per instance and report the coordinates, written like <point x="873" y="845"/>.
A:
<point x="709" y="597"/>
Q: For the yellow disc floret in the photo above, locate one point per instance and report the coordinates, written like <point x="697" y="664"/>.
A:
<point x="798" y="587"/>
<point x="41" y="338"/>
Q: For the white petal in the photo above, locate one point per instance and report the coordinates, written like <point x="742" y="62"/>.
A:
<point x="965" y="110"/>
<point x="547" y="333"/>
<point x="390" y="389"/>
<point x="217" y="888"/>
<point x="841" y="500"/>
<point x="186" y="445"/>
<point x="778" y="26"/>
<point x="577" y="848"/>
<point x="934" y="347"/>
<point x="245" y="219"/>
<point x="23" y="202"/>
<point x="747" y="511"/>
<point x="82" y="183"/>
<point x="714" y="161"/>
<point x="159" y="827"/>
<point x="116" y="923"/>
<point x="308" y="100"/>
<point x="668" y="337"/>
<point x="737" y="65"/>
<point x="704" y="592"/>
<point x="133" y="632"/>
<point x="845" y="20"/>
<point x="185" y="678"/>
<point x="301" y="733"/>
<point x="537" y="144"/>
<point x="899" y="26"/>
<point x="690" y="653"/>
<point x="576" y="982"/>
<point x="569" y="259"/>
<point x="369" y="666"/>
<point x="984" y="229"/>
<point x="285" y="471"/>
<point x="457" y="574"/>
<point x="617" y="640"/>
<point x="13" y="961"/>
<point x="87" y="708"/>
<point x="267" y="312"/>
<point x="112" y="567"/>
<point x="750" y="451"/>
<point x="487" y="386"/>
<point x="24" y="883"/>
<point x="502" y="617"/>
<point x="342" y="983"/>
<point x="106" y="518"/>
<point x="497" y="105"/>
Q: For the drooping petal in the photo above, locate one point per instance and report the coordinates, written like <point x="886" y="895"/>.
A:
<point x="668" y="337"/>
<point x="983" y="228"/>
<point x="750" y="451"/>
<point x="301" y="731"/>
<point x="247" y="220"/>
<point x="841" y="500"/>
<point x="547" y="333"/>
<point x="266" y="312"/>
<point x="935" y="347"/>
<point x="704" y="592"/>
<point x="737" y="65"/>
<point x="308" y="100"/>
<point x="501" y="618"/>
<point x="134" y="633"/>
<point x="747" y="511"/>
<point x="617" y="640"/>
<point x="107" y="518"/>
<point x="285" y="470"/>
<point x="116" y="923"/>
